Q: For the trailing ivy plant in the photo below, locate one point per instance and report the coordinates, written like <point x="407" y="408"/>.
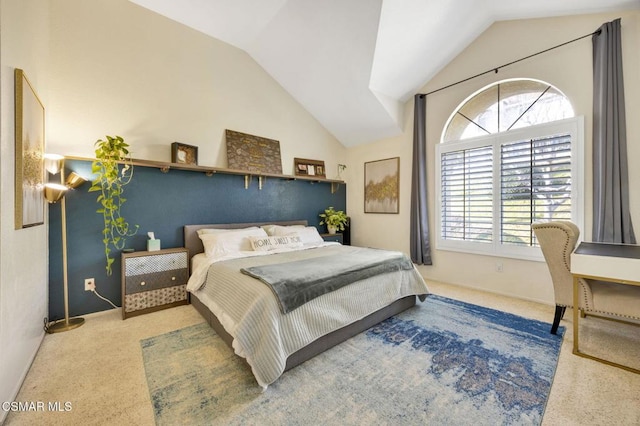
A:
<point x="109" y="181"/>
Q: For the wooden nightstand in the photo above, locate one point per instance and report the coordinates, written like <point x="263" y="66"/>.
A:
<point x="154" y="280"/>
<point x="333" y="237"/>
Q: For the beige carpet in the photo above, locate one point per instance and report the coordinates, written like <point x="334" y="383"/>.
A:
<point x="98" y="368"/>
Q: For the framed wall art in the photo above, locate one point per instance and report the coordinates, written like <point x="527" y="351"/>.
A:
<point x="29" y="146"/>
<point x="305" y="167"/>
<point x="382" y="186"/>
<point x="253" y="153"/>
<point x="184" y="154"/>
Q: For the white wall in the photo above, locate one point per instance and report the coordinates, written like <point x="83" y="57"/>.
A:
<point x="118" y="68"/>
<point x="111" y="67"/>
<point x="24" y="34"/>
<point x="569" y="69"/>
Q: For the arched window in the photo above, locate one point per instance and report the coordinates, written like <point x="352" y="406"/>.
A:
<point x="509" y="104"/>
<point x="509" y="156"/>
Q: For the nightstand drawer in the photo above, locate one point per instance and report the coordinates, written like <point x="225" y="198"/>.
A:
<point x="142" y="265"/>
<point x="152" y="299"/>
<point x="155" y="280"/>
<point x="337" y="237"/>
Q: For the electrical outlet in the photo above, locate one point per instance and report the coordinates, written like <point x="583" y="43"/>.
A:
<point x="89" y="284"/>
<point x="498" y="266"/>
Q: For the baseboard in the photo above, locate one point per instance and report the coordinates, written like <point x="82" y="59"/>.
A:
<point x="498" y="293"/>
<point x="16" y="390"/>
<point x="94" y="314"/>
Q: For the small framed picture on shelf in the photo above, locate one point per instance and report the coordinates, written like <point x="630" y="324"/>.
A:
<point x="184" y="154"/>
<point x="306" y="167"/>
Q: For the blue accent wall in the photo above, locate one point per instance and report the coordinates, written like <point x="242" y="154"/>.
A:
<point x="164" y="203"/>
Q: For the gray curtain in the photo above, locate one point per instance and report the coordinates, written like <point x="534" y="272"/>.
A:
<point x="419" y="239"/>
<point x="611" y="215"/>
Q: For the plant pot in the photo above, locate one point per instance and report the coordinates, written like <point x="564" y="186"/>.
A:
<point x="331" y="229"/>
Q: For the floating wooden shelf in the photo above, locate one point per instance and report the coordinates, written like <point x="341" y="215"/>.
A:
<point x="165" y="167"/>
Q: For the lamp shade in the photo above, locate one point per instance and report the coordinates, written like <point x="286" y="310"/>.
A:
<point x="74" y="180"/>
<point x="53" y="192"/>
<point x="53" y="163"/>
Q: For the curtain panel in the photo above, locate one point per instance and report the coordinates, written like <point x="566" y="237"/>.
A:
<point x="420" y="248"/>
<point x="611" y="214"/>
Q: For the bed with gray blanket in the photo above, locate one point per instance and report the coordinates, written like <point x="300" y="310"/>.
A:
<point x="263" y="312"/>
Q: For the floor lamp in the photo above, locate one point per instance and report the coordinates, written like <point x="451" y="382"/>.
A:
<point x="53" y="193"/>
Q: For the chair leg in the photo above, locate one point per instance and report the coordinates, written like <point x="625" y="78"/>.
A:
<point x="556" y="319"/>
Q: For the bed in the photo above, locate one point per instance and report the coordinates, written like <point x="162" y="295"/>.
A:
<point x="245" y="313"/>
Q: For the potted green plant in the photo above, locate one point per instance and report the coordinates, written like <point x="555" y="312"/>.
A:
<point x="109" y="181"/>
<point x="334" y="219"/>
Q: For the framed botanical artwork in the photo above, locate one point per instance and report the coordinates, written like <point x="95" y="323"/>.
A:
<point x="305" y="167"/>
<point x="184" y="154"/>
<point x="29" y="143"/>
<point x="382" y="186"/>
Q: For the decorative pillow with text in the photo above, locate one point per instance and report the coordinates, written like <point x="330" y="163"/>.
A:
<point x="275" y="242"/>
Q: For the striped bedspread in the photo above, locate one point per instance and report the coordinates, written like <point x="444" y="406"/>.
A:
<point x="296" y="283"/>
<point x="264" y="336"/>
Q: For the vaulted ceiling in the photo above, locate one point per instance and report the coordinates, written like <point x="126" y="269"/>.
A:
<point x="353" y="63"/>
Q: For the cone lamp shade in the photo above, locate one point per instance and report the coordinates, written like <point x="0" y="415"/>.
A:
<point x="53" y="192"/>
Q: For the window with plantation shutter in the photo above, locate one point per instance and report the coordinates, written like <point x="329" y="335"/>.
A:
<point x="467" y="191"/>
<point x="526" y="168"/>
<point x="535" y="185"/>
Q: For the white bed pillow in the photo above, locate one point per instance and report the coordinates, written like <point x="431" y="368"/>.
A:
<point x="275" y="242"/>
<point x="221" y="244"/>
<point x="198" y="260"/>
<point x="280" y="229"/>
<point x="219" y="230"/>
<point x="308" y="234"/>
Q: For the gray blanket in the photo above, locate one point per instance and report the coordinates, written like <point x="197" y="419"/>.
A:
<point x="296" y="283"/>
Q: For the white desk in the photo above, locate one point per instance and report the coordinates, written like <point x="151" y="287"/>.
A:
<point x="617" y="263"/>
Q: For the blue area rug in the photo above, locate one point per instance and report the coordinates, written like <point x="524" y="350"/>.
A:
<point x="443" y="362"/>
